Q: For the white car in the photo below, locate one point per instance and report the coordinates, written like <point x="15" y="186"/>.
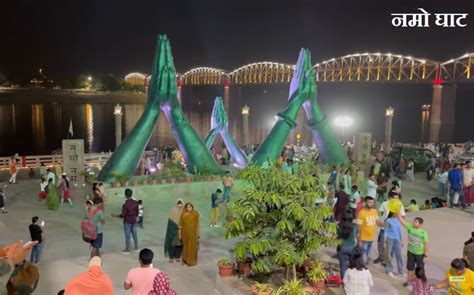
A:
<point x="467" y="156"/>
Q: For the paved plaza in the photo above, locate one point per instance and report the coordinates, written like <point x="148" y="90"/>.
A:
<point x="65" y="254"/>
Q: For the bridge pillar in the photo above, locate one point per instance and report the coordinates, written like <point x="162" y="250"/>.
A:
<point x="442" y="117"/>
<point x="435" y="117"/>
<point x="448" y="116"/>
<point x="226" y="97"/>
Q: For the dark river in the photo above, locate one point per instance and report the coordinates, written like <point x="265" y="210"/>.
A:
<point x="36" y="125"/>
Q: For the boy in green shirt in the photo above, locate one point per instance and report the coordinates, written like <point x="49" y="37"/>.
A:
<point x="417" y="246"/>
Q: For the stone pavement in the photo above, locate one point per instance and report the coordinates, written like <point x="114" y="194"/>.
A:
<point x="65" y="254"/>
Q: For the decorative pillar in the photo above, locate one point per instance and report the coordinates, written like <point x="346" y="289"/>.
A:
<point x="179" y="92"/>
<point x="118" y="125"/>
<point x="226" y="97"/>
<point x="245" y="125"/>
<point x="388" y="128"/>
<point x="425" y="117"/>
<point x="435" y="116"/>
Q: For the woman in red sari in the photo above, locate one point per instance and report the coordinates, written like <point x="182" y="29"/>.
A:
<point x="189" y="233"/>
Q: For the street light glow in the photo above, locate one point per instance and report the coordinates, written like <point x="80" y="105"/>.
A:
<point x="343" y="121"/>
<point x="89" y="78"/>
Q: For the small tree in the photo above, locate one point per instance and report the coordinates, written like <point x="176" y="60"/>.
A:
<point x="52" y="200"/>
<point x="279" y="220"/>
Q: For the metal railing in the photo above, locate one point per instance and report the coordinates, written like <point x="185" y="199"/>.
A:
<point x="27" y="162"/>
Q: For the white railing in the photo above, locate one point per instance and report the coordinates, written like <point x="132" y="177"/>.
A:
<point x="27" y="162"/>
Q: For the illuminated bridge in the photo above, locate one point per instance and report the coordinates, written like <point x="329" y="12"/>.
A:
<point x="358" y="67"/>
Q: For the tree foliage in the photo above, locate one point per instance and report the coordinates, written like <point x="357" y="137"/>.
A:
<point x="279" y="220"/>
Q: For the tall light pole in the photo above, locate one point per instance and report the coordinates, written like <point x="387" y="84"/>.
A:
<point x="343" y="122"/>
<point x="245" y="125"/>
<point x="118" y="125"/>
<point x="425" y="117"/>
<point x="388" y="128"/>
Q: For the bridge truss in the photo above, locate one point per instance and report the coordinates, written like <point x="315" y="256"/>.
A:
<point x="358" y="67"/>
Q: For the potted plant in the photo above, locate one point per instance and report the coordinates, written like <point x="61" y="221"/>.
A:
<point x="244" y="266"/>
<point x="261" y="289"/>
<point x="154" y="179"/>
<point x="225" y="267"/>
<point x="317" y="276"/>
<point x="145" y="180"/>
<point x="228" y="215"/>
<point x="269" y="232"/>
<point x="135" y="181"/>
<point x="214" y="177"/>
<point x="292" y="287"/>
<point x="123" y="179"/>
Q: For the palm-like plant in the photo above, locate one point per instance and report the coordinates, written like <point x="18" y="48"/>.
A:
<point x="279" y="220"/>
<point x="291" y="287"/>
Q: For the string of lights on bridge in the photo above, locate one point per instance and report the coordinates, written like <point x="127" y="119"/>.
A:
<point x="363" y="67"/>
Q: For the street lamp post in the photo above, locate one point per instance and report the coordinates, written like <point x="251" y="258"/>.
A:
<point x="388" y="128"/>
<point x="245" y="125"/>
<point x="118" y="125"/>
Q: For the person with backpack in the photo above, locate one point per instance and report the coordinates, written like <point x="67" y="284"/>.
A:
<point x="130" y="212"/>
<point x="91" y="226"/>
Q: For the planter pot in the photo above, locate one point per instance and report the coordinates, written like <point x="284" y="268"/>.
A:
<point x="318" y="286"/>
<point x="172" y="180"/>
<point x="113" y="184"/>
<point x="214" y="177"/>
<point x="197" y="178"/>
<point x="255" y="292"/>
<point x="163" y="181"/>
<point x="225" y="271"/>
<point x="123" y="183"/>
<point x="188" y="179"/>
<point x="229" y="219"/>
<point x="135" y="182"/>
<point x="244" y="267"/>
<point x="154" y="182"/>
<point x="145" y="181"/>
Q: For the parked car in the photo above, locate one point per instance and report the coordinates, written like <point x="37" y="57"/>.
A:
<point x="419" y="156"/>
<point x="467" y="156"/>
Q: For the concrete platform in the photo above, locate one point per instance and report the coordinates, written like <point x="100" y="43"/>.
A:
<point x="65" y="254"/>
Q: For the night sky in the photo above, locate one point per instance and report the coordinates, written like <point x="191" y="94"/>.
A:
<point x="67" y="38"/>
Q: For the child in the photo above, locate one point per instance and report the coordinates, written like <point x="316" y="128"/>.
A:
<point x="2" y="201"/>
<point x="140" y="213"/>
<point x="43" y="189"/>
<point x="420" y="284"/>
<point x="427" y="205"/>
<point x="413" y="207"/>
<point x="215" y="207"/>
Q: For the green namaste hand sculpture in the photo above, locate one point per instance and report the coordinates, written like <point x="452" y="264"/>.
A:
<point x="162" y="96"/>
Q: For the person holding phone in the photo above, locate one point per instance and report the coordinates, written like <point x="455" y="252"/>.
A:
<point x="36" y="232"/>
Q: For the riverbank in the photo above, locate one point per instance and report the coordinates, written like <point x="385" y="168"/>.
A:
<point x="72" y="96"/>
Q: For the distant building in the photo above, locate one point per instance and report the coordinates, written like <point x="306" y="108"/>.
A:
<point x="41" y="81"/>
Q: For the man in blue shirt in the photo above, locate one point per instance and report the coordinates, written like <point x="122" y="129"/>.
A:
<point x="455" y="178"/>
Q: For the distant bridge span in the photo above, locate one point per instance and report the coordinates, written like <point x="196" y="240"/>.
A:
<point x="359" y="67"/>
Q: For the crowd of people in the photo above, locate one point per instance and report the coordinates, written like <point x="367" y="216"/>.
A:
<point x="365" y="221"/>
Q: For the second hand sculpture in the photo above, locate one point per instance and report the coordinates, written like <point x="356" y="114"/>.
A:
<point x="162" y="96"/>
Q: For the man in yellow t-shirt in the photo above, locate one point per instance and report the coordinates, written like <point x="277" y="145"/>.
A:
<point x="367" y="219"/>
<point x="459" y="279"/>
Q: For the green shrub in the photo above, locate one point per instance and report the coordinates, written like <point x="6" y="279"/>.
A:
<point x="278" y="219"/>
